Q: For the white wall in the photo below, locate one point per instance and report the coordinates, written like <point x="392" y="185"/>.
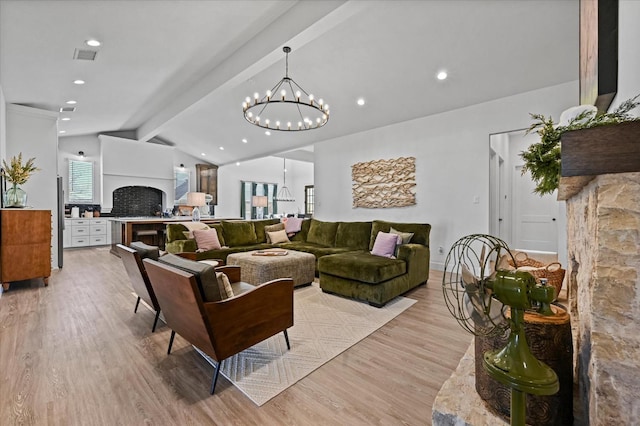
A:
<point x="268" y="170"/>
<point x="127" y="162"/>
<point x="452" y="164"/>
<point x="34" y="132"/>
<point x="3" y="126"/>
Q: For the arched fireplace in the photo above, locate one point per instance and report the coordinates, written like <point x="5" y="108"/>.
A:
<point x="137" y="201"/>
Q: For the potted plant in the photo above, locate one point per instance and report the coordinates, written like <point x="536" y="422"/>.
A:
<point x="542" y="159"/>
<point x="17" y="173"/>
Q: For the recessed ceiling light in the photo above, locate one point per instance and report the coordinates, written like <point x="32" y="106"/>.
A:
<point x="360" y="101"/>
<point x="71" y="102"/>
<point x="441" y="75"/>
<point x="268" y="133"/>
<point x="66" y="119"/>
<point x="244" y="140"/>
<point x="222" y="148"/>
<point x="203" y="154"/>
<point x="78" y="81"/>
<point x="62" y="131"/>
<point x="93" y="42"/>
<point x="237" y="163"/>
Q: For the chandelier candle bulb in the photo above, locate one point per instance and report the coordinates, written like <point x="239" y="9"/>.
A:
<point x="277" y="125"/>
<point x="298" y="96"/>
<point x="283" y="93"/>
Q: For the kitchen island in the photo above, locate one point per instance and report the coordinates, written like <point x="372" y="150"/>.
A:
<point x="149" y="230"/>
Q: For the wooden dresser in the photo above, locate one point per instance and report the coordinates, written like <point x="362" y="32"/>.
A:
<point x="25" y="245"/>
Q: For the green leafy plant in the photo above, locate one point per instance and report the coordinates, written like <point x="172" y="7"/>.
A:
<point x="542" y="159"/>
<point x="18" y="173"/>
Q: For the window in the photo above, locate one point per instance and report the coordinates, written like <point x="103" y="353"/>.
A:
<point x="80" y="181"/>
<point x="248" y="191"/>
<point x="308" y="200"/>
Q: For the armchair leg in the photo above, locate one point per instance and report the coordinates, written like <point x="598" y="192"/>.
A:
<point x="215" y="377"/>
<point x="137" y="303"/>
<point x="173" y="334"/>
<point x="286" y="338"/>
<point x="155" y="322"/>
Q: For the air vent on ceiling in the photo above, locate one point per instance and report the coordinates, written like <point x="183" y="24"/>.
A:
<point x="85" y="54"/>
<point x="67" y="109"/>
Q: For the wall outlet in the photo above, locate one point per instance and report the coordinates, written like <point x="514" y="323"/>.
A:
<point x="441" y="250"/>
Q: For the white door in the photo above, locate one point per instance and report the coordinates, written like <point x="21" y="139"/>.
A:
<point x="535" y="224"/>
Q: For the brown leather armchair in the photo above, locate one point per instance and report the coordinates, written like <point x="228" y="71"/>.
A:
<point x="132" y="261"/>
<point x="224" y="328"/>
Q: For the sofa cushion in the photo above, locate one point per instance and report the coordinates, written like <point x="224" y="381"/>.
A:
<point x="362" y="266"/>
<point x="240" y="287"/>
<point x="273" y="228"/>
<point x="420" y="231"/>
<point x="277" y="237"/>
<point x="385" y="244"/>
<point x="207" y="239"/>
<point x="241" y="233"/>
<point x="292" y="224"/>
<point x="406" y="236"/>
<point x="145" y="251"/>
<point x="211" y="289"/>
<point x="260" y="225"/>
<point x="220" y="231"/>
<point x="175" y="231"/>
<point x="223" y="282"/>
<point x="192" y="226"/>
<point x="354" y="235"/>
<point x="322" y="233"/>
<point x="304" y="231"/>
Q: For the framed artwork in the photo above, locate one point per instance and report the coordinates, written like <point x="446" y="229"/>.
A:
<point x="384" y="183"/>
<point x="181" y="185"/>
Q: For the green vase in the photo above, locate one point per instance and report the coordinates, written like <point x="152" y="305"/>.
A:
<point x="15" y="197"/>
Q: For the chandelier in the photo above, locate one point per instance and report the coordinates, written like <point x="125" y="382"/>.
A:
<point x="286" y="107"/>
<point x="284" y="194"/>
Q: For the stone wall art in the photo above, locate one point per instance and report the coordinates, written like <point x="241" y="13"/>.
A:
<point x="384" y="183"/>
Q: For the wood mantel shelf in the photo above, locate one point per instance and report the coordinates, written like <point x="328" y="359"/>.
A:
<point x="600" y="150"/>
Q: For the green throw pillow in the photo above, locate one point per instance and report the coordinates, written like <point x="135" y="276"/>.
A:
<point x="240" y="233"/>
<point x="322" y="233"/>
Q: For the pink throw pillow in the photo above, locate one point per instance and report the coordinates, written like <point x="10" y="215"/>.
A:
<point x="385" y="244"/>
<point x="207" y="239"/>
<point x="293" y="225"/>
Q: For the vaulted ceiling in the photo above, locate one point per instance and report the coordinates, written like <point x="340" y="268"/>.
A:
<point x="178" y="71"/>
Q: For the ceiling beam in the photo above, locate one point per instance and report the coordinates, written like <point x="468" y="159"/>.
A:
<point x="303" y="22"/>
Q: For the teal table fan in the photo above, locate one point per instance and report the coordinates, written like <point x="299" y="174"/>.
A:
<point x="478" y="289"/>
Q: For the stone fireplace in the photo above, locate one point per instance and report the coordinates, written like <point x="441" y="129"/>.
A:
<point x="136" y="201"/>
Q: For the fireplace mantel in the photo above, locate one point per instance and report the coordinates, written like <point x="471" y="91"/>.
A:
<point x="601" y="183"/>
<point x="601" y="150"/>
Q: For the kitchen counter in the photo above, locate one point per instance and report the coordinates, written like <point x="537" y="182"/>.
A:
<point x="124" y="230"/>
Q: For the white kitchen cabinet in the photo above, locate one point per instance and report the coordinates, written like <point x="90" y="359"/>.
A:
<point x="85" y="232"/>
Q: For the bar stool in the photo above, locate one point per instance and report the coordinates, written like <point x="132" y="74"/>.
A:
<point x="148" y="236"/>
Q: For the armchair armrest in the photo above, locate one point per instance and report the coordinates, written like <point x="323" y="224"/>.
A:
<point x="249" y="318"/>
<point x="417" y="258"/>
<point x="231" y="271"/>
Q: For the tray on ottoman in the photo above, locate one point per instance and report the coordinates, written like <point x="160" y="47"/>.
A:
<point x="259" y="269"/>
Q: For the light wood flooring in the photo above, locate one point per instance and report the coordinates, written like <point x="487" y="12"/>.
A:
<point x="74" y="353"/>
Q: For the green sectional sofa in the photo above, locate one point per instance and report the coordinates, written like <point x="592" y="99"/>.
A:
<point x="342" y="250"/>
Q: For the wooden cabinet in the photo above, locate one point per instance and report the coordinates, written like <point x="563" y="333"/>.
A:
<point x="207" y="181"/>
<point x="25" y="245"/>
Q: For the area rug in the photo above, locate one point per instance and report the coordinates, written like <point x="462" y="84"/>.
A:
<point x="324" y="326"/>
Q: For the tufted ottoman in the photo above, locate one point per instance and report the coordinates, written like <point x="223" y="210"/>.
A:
<point x="257" y="269"/>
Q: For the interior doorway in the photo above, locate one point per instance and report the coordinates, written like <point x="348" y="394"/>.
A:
<point x="523" y="219"/>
